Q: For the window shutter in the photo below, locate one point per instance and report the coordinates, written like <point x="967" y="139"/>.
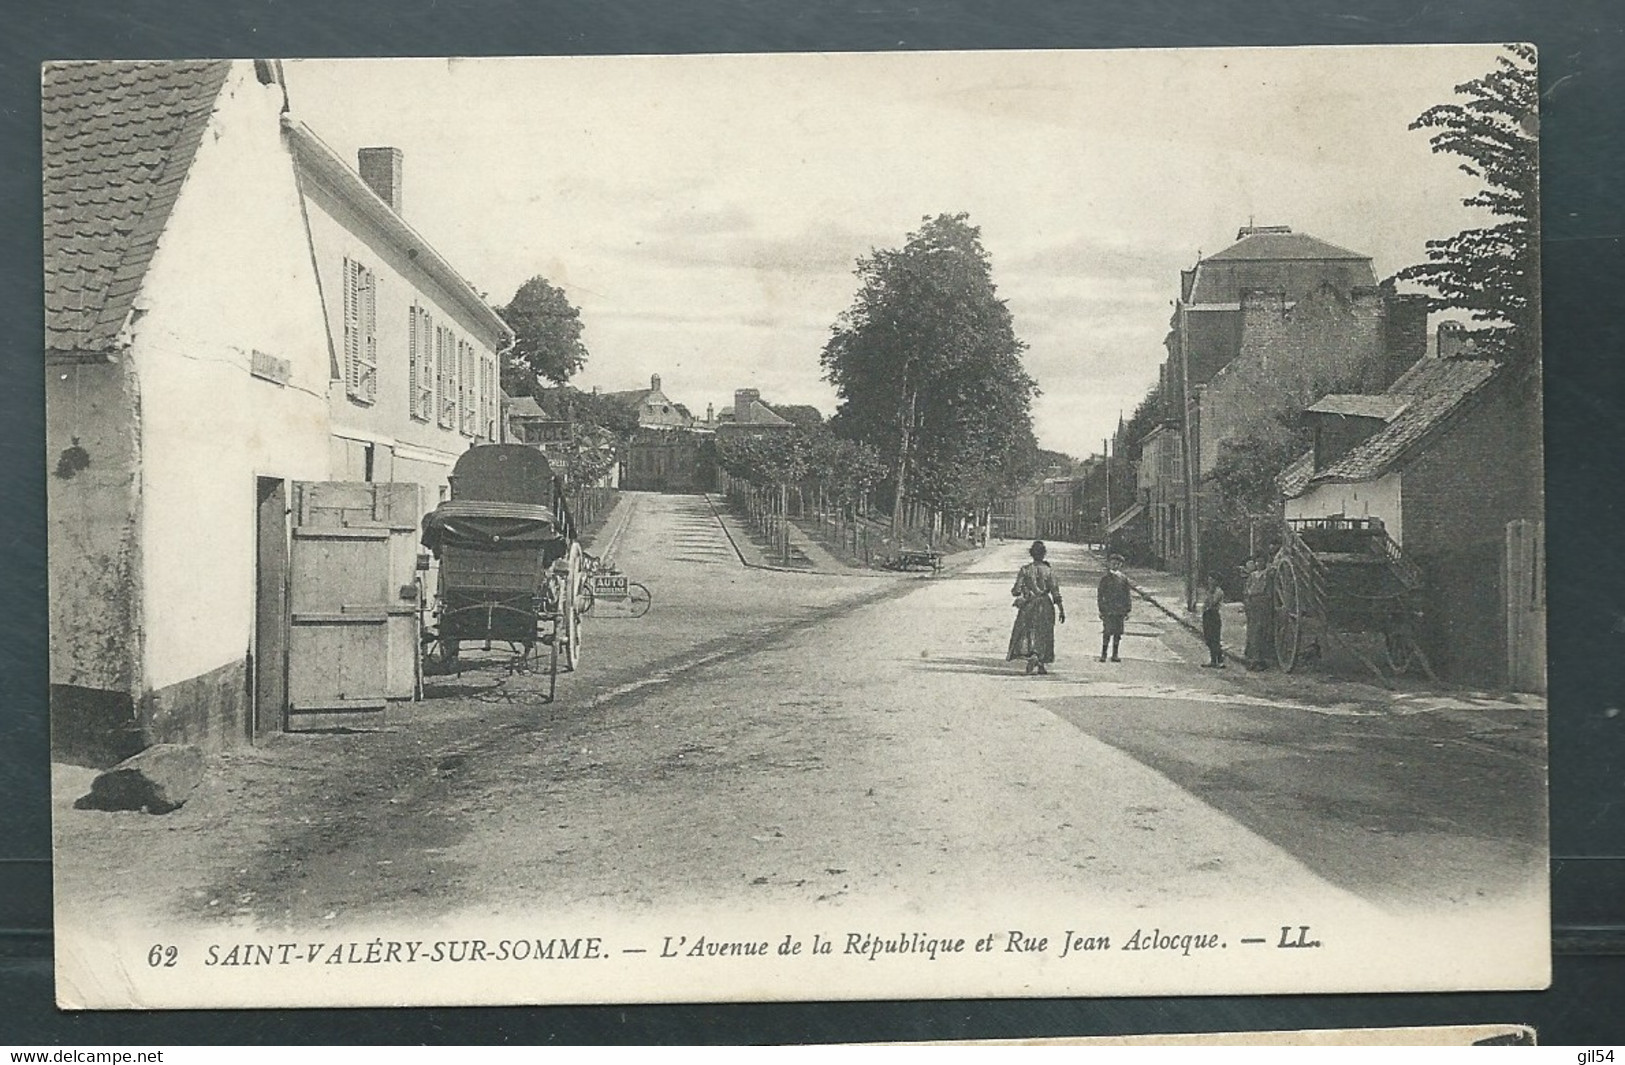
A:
<point x="370" y="337"/>
<point x="473" y="393"/>
<point x="448" y="379"/>
<point x="426" y="381"/>
<point x="352" y="330"/>
<point x="412" y="360"/>
<point x="440" y="375"/>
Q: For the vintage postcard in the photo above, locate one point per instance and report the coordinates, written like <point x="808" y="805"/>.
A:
<point x="821" y="526"/>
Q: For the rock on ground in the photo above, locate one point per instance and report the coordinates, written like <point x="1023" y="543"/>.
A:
<point x="158" y="780"/>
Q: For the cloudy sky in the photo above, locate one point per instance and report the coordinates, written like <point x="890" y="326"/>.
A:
<point x="705" y="212"/>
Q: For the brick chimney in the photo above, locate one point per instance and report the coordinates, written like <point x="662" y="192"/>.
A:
<point x="381" y="170"/>
<point x="1454" y="343"/>
<point x="744" y="398"/>
<point x="654" y="382"/>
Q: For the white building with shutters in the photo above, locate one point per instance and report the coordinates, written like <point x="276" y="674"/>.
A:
<point x="415" y="377"/>
<point x="244" y="337"/>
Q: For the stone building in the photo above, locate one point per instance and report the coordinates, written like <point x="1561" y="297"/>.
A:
<point x="1261" y="329"/>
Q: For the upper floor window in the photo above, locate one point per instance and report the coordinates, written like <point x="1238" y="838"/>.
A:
<point x="446" y="377"/>
<point x="420" y="362"/>
<point x="360" y="332"/>
<point x="467" y="389"/>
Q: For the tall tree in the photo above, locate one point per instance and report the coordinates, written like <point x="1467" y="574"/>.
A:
<point x="547" y="337"/>
<point x="928" y="368"/>
<point x="1493" y="272"/>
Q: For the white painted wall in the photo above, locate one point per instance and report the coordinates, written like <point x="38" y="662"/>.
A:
<point x="1381" y="498"/>
<point x="406" y="449"/>
<point x="232" y="273"/>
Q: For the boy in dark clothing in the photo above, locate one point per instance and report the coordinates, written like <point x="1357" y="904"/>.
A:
<point x="1115" y="601"/>
<point x="1212" y="623"/>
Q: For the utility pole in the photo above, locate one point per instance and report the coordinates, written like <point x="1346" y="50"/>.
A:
<point x="1105" y="537"/>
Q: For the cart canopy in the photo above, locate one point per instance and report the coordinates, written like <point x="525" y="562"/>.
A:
<point x="490" y="526"/>
<point x="504" y="473"/>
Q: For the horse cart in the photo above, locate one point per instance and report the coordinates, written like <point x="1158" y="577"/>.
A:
<point x="1345" y="580"/>
<point x="512" y="573"/>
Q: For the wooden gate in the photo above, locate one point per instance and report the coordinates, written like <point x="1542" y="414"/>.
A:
<point x="1525" y="585"/>
<point x="352" y="641"/>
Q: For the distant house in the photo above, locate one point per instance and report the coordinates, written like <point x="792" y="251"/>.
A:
<point x="1446" y="458"/>
<point x="749" y="411"/>
<point x="244" y="341"/>
<point x="1161" y="488"/>
<point x="653" y="407"/>
<point x="669" y="451"/>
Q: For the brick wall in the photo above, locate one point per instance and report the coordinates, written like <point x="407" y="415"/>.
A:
<point x="1458" y="496"/>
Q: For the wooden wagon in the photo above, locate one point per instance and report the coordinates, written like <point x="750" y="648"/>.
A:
<point x="1335" y="579"/>
<point x="511" y="570"/>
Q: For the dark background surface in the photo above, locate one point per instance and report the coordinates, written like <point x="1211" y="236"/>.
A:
<point x="1582" y="48"/>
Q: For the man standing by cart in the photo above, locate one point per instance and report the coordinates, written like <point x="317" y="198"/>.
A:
<point x="1260" y="605"/>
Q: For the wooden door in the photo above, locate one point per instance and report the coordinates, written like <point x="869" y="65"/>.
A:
<point x="352" y="643"/>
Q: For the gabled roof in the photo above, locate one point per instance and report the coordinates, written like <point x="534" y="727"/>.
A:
<point x="526" y="407"/>
<point x="1433" y="391"/>
<point x="634" y="396"/>
<point x="758" y="413"/>
<point x="117" y="139"/>
<point x="1354" y="405"/>
<point x="315" y="157"/>
<point x="1296" y="477"/>
<point x="1274" y="259"/>
<point x="1279" y="242"/>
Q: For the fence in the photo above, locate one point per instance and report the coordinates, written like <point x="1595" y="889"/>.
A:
<point x="765" y="509"/>
<point x="589" y="506"/>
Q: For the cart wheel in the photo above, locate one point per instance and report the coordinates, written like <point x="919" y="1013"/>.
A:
<point x="638" y="600"/>
<point x="439" y="656"/>
<point x="570" y="610"/>
<point x="1288" y="618"/>
<point x="1399" y="645"/>
<point x="553" y="663"/>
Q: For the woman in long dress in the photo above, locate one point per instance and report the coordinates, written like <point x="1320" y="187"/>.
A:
<point x="1038" y="604"/>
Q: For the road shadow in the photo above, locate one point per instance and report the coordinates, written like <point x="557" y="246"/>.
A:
<point x="1402" y="810"/>
<point x="988" y="664"/>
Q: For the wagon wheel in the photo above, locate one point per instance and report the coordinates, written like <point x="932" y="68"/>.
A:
<point x="1288" y="617"/>
<point x="1399" y="646"/>
<point x="570" y="610"/>
<point x="638" y="600"/>
<point x="440" y="656"/>
<point x="553" y="660"/>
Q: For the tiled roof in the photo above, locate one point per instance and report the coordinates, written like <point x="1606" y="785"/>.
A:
<point x="526" y="407"/>
<point x="118" y="139"/>
<point x="1283" y="245"/>
<point x="1295" y="478"/>
<point x="1434" y="390"/>
<point x="1354" y="405"/>
<point x="760" y="413"/>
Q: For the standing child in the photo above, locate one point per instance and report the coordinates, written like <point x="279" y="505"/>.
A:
<point x="1115" y="601"/>
<point x="1212" y="623"/>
